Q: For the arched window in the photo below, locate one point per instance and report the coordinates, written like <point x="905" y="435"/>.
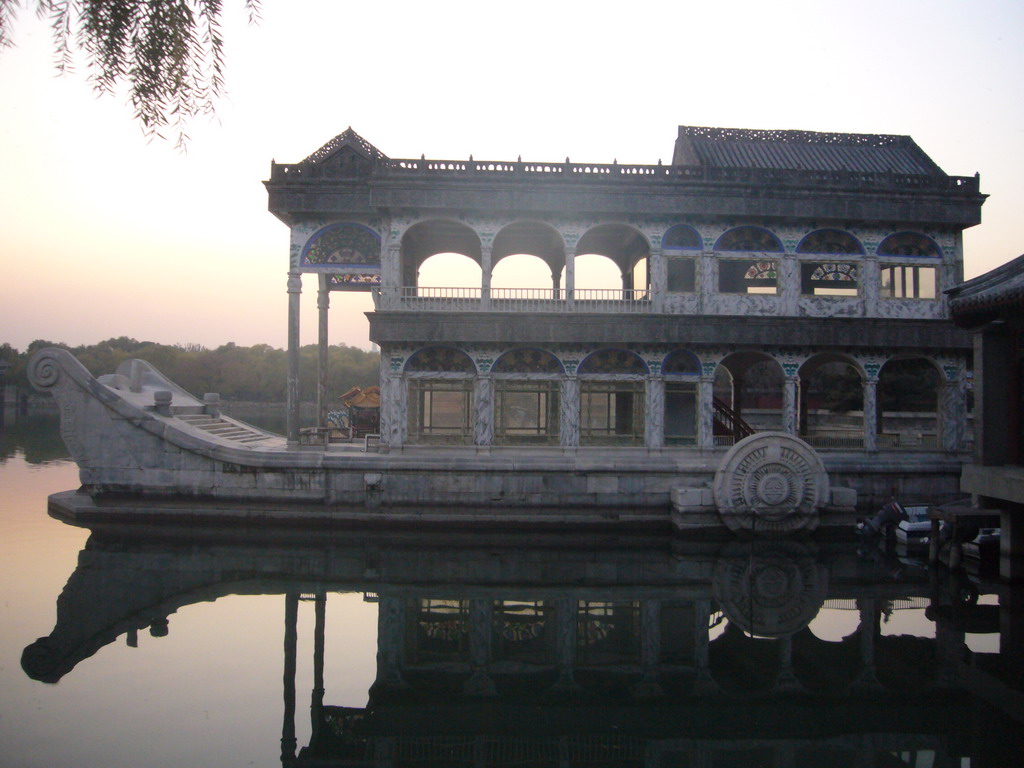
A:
<point x="680" y="369"/>
<point x="527" y="397"/>
<point x="349" y="252"/>
<point x="612" y="398"/>
<point x="440" y="396"/>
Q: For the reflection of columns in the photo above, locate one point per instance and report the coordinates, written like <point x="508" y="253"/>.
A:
<point x="390" y="641"/>
<point x="803" y="412"/>
<point x="867" y="631"/>
<point x="703" y="683"/>
<point x="291" y="617"/>
<point x="951" y="416"/>
<point x="485" y="266"/>
<point x="650" y="650"/>
<point x="654" y="414"/>
<point x="705" y="412"/>
<point x="483" y="410"/>
<point x="480" y="627"/>
<point x="569" y="424"/>
<point x="787" y="680"/>
<point x="317" y="704"/>
<point x="565" y="642"/>
<point x="789" y="405"/>
<point x="292" y="392"/>
<point x="870" y="387"/>
<point x="323" y="303"/>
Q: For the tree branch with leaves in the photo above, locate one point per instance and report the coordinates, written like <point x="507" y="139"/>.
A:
<point x="168" y="53"/>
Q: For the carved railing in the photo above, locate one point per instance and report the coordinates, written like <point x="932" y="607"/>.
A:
<point x="610" y="300"/>
<point x="611" y="172"/>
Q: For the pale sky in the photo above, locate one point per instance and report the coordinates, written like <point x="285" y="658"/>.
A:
<point x="103" y="234"/>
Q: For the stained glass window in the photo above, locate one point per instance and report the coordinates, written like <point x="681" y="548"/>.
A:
<point x="527" y="361"/>
<point x="682" y="237"/>
<point x="908" y="244"/>
<point x="830" y="241"/>
<point x="761" y="270"/>
<point x="613" y="361"/>
<point x="749" y="239"/>
<point x="444" y="359"/>
<point x="343" y="244"/>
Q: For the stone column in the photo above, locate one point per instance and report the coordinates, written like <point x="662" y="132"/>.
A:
<point x="569" y="421"/>
<point x="570" y="274"/>
<point x="705" y="411"/>
<point x="789" y="285"/>
<point x="393" y="408"/>
<point x="790" y="390"/>
<point x="292" y="391"/>
<point x="870" y="278"/>
<point x="870" y="387"/>
<point x="951" y="416"/>
<point x="707" y="282"/>
<point x="485" y="268"/>
<point x="654" y="414"/>
<point x="391" y="275"/>
<point x="657" y="276"/>
<point x="323" y="304"/>
<point x="483" y="410"/>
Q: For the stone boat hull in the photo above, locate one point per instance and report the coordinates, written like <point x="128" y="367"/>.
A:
<point x="146" y="446"/>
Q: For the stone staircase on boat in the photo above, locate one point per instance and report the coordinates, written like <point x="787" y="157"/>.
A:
<point x="222" y="428"/>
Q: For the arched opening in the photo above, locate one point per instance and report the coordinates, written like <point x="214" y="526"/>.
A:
<point x="612" y="398"/>
<point x="521" y="271"/>
<point x="908" y="401"/>
<point x="626" y="248"/>
<point x="527" y="397"/>
<point x="831" y="404"/>
<point x="449" y="270"/>
<point x="681" y="370"/>
<point x="527" y="255"/>
<point x="748" y="396"/>
<point x="444" y="239"/>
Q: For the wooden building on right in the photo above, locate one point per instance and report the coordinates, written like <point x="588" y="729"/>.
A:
<point x="992" y="306"/>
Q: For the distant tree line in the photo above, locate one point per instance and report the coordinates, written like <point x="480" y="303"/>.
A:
<point x="256" y="373"/>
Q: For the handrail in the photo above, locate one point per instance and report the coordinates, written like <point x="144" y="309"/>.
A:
<point x="730" y="420"/>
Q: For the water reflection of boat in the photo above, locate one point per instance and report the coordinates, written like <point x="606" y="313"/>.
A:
<point x="546" y="650"/>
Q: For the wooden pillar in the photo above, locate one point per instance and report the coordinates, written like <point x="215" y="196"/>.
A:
<point x="323" y="304"/>
<point x="292" y="391"/>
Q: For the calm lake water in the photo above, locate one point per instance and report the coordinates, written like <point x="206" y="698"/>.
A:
<point x="129" y="647"/>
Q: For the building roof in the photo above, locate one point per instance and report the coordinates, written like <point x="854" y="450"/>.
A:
<point x="996" y="294"/>
<point x="801" y="151"/>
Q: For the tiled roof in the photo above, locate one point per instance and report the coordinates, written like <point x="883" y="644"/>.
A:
<point x="994" y="294"/>
<point x="801" y="151"/>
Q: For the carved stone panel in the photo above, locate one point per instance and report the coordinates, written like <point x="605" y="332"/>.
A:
<point x="771" y="482"/>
